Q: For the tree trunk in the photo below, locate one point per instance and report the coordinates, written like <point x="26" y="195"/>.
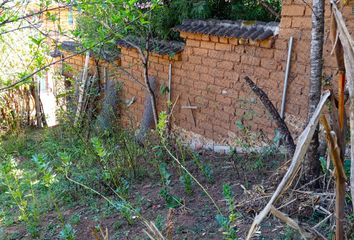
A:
<point x="312" y="163"/>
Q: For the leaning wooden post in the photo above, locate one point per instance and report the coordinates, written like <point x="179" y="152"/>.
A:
<point x="348" y="51"/>
<point x="335" y="153"/>
<point x="82" y="87"/>
<point x="35" y="93"/>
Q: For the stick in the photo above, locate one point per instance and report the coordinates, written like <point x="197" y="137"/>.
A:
<point x="290" y="222"/>
<point x="289" y="141"/>
<point x="339" y="175"/>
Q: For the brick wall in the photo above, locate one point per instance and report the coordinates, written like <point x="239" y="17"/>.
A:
<point x="209" y="74"/>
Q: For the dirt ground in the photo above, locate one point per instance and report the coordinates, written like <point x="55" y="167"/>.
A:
<point x="252" y="182"/>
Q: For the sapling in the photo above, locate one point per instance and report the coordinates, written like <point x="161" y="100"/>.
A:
<point x="228" y="223"/>
<point x="20" y="186"/>
<point x="204" y="168"/>
<point x="67" y="233"/>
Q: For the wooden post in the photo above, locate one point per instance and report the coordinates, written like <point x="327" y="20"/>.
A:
<point x="35" y="94"/>
<point x="82" y="87"/>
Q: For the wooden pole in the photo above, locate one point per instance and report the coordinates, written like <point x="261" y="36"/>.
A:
<point x="340" y="177"/>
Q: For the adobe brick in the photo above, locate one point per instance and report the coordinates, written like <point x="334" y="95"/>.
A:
<point x="249" y="60"/>
<point x="195" y="36"/>
<point x="232" y="75"/>
<point x="209" y="62"/>
<point x="214" y="89"/>
<point x="133" y="53"/>
<point x="293" y="10"/>
<point x="223" y="40"/>
<point x="194" y="75"/>
<point x="222" y="47"/>
<point x="247" y="69"/>
<point x="285" y="22"/>
<point x="223" y="82"/>
<point x="280" y="55"/>
<point x="162" y="75"/>
<point x="229" y="110"/>
<point x="225" y="65"/>
<point x="188" y="66"/>
<point x="216" y="54"/>
<point x="195" y="59"/>
<point x="232" y="56"/>
<point x="195" y="92"/>
<point x="158" y="67"/>
<point x="188" y="82"/>
<point x="267" y="43"/>
<point x="200" y="100"/>
<point x="269" y="64"/>
<point x="201" y="69"/>
<point x="215" y="72"/>
<point x="302" y="22"/>
<point x="206" y="125"/>
<point x="264" y="53"/>
<point x="239" y="49"/>
<point x="205" y="37"/>
<point x="207" y="78"/>
<point x="200" y="51"/>
<point x="180" y="72"/>
<point x="262" y="73"/>
<point x="207" y="45"/>
<point x="277" y="76"/>
<point x="282" y="44"/>
<point x="233" y="41"/>
<point x="193" y="43"/>
<point x="214" y="39"/>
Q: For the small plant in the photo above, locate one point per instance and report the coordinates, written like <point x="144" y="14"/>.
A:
<point x="75" y="218"/>
<point x="171" y="200"/>
<point x="186" y="180"/>
<point x="20" y="185"/>
<point x="128" y="212"/>
<point x="67" y="233"/>
<point x="160" y="222"/>
<point x="204" y="168"/>
<point x="123" y="188"/>
<point x="165" y="175"/>
<point x="228" y="223"/>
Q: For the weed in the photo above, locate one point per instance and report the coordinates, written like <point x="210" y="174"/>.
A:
<point x="20" y="184"/>
<point x="123" y="188"/>
<point x="165" y="175"/>
<point x="204" y="168"/>
<point x="67" y="233"/>
<point x="171" y="200"/>
<point x="160" y="222"/>
<point x="186" y="181"/>
<point x="75" y="218"/>
<point x="128" y="212"/>
<point x="228" y="223"/>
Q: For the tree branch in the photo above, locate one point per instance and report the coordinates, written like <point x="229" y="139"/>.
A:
<point x="289" y="141"/>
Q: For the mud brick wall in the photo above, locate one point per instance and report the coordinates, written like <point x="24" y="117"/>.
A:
<point x="209" y="74"/>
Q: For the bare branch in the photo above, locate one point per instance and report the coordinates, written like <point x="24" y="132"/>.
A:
<point x="9" y="20"/>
